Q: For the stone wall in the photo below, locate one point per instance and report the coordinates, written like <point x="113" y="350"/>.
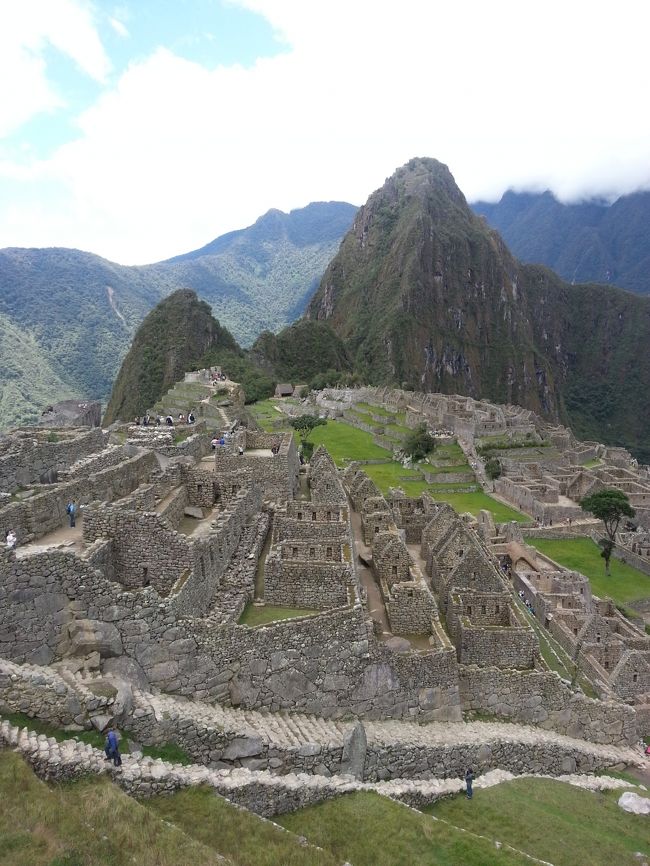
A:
<point x="538" y="698"/>
<point x="410" y="608"/>
<point x="308" y="584"/>
<point x="42" y="694"/>
<point x="32" y="456"/>
<point x="46" y="511"/>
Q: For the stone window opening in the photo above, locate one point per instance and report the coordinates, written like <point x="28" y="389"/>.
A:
<point x="635" y="677"/>
<point x="299" y="515"/>
<point x="235" y="488"/>
<point x="202" y="568"/>
<point x="211" y="556"/>
<point x="145" y="575"/>
<point x="329" y="515"/>
<point x="294" y="551"/>
<point x="312" y="552"/>
<point x="469" y="609"/>
<point x="376" y="530"/>
<point x="395" y="570"/>
<point x="329" y="552"/>
<point x="313" y="515"/>
<point x="199" y="488"/>
<point x="483" y="609"/>
<point x="410" y="593"/>
<point x="498" y="608"/>
<point x="597" y="638"/>
<point x="575" y="631"/>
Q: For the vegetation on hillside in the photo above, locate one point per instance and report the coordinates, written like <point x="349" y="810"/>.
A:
<point x="426" y="296"/>
<point x="301" y="352"/>
<point x="591" y="241"/>
<point x="174" y="337"/>
<point x="610" y="506"/>
<point x="74" y="314"/>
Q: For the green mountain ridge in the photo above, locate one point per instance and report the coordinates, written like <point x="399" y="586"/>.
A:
<point x="426" y="296"/>
<point x="78" y="312"/>
<point x="173" y="337"/>
<point x="589" y="241"/>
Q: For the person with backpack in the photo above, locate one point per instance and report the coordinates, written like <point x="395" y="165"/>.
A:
<point x="71" y="511"/>
<point x="112" y="747"/>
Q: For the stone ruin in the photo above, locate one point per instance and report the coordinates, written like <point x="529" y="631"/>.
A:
<point x="406" y="619"/>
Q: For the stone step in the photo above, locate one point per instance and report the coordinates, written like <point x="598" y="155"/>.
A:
<point x="260" y="792"/>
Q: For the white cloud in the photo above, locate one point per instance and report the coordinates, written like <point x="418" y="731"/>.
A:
<point x="27" y="27"/>
<point x="506" y="93"/>
<point x="118" y="27"/>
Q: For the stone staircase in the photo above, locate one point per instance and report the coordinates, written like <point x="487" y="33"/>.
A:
<point x="260" y="792"/>
<point x="226" y="736"/>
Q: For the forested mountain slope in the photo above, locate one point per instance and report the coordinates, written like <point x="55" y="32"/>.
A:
<point x="76" y="313"/>
<point x="426" y="295"/>
<point x="590" y="241"/>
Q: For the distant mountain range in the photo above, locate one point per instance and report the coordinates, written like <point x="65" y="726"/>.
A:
<point x="425" y="295"/>
<point x="68" y="317"/>
<point x="591" y="241"/>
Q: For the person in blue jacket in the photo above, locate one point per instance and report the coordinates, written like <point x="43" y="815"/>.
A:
<point x="112" y="747"/>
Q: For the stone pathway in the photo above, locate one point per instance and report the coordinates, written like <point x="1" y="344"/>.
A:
<point x="288" y="731"/>
<point x="260" y="792"/>
<point x="65" y="536"/>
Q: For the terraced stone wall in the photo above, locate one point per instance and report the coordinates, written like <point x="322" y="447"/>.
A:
<point x="538" y="698"/>
<point x="30" y="455"/>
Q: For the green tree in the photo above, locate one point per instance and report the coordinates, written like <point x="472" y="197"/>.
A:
<point x="304" y="426"/>
<point x="493" y="468"/>
<point x="419" y="443"/>
<point x="610" y="506"/>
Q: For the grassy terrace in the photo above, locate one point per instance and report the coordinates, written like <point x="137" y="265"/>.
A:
<point x="347" y="443"/>
<point x="253" y="616"/>
<point x="587" y="828"/>
<point x="369" y="830"/>
<point x="626" y="583"/>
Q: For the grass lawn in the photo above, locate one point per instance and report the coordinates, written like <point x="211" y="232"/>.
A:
<point x="475" y="502"/>
<point x="368" y="409"/>
<point x="591" y="463"/>
<point x="235" y="833"/>
<point x="253" y="616"/>
<point x="346" y="443"/>
<point x="268" y="417"/>
<point x="368" y="830"/>
<point x="85" y="823"/>
<point x="553" y="821"/>
<point x="582" y="554"/>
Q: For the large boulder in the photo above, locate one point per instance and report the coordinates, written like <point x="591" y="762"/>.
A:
<point x="86" y="636"/>
<point x="353" y="760"/>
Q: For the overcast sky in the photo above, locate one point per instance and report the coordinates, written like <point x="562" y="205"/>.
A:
<point x="143" y="129"/>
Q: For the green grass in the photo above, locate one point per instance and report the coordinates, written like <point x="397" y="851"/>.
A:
<point x="380" y="411"/>
<point x="346" y="443"/>
<point x="267" y="416"/>
<point x="582" y="554"/>
<point x="475" y="502"/>
<point x="168" y="751"/>
<point x="253" y="616"/>
<point x="90" y="822"/>
<point x="590" y="464"/>
<point x="235" y="833"/>
<point x="553" y="821"/>
<point x="368" y="830"/>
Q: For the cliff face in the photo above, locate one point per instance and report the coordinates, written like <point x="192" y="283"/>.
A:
<point x="427" y="296"/>
<point x="175" y="335"/>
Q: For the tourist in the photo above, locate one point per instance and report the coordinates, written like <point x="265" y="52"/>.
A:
<point x="159" y="420"/>
<point x="112" y="747"/>
<point x="170" y="421"/>
<point x="190" y="418"/>
<point x="469" y="781"/>
<point x="71" y="511"/>
<point x="136" y="420"/>
<point x="214" y="443"/>
<point x="146" y="420"/>
<point x="240" y="450"/>
<point x="10" y="539"/>
<point x="181" y="418"/>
